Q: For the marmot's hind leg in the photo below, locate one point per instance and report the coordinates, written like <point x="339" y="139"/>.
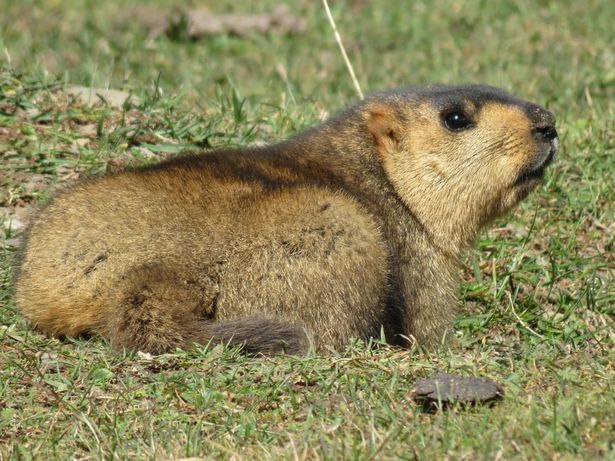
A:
<point x="157" y="311"/>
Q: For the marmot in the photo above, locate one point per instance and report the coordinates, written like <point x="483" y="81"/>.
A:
<point x="350" y="229"/>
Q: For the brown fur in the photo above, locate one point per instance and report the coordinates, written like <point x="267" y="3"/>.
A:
<point x="352" y="228"/>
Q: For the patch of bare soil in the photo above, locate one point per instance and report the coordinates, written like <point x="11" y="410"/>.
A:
<point x="197" y="23"/>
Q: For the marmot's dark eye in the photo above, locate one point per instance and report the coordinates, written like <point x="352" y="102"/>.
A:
<point x="456" y="121"/>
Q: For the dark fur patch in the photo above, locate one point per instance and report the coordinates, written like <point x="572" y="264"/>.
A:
<point x="255" y="335"/>
<point x="92" y="267"/>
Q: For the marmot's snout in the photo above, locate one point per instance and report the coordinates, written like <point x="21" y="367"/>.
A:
<point x="547" y="142"/>
<point x="544" y="132"/>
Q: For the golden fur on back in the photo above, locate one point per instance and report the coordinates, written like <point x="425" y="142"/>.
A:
<point x="349" y="229"/>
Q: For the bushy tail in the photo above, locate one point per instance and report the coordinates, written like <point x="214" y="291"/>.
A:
<point x="155" y="311"/>
<point x="254" y="335"/>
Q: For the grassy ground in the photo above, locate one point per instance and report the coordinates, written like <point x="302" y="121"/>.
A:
<point x="539" y="296"/>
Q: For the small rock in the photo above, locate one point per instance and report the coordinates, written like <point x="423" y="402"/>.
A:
<point x="14" y="219"/>
<point x="444" y="389"/>
<point x="89" y="131"/>
<point x="145" y="356"/>
<point x="32" y="113"/>
<point x="49" y="362"/>
<point x="11" y="243"/>
<point x="89" y="96"/>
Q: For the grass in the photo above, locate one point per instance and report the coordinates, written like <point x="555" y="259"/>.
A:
<point x="539" y="298"/>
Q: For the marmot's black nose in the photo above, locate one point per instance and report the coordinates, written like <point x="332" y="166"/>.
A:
<point x="543" y="122"/>
<point x="545" y="131"/>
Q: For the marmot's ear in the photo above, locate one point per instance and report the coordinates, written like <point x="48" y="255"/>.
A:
<point x="383" y="125"/>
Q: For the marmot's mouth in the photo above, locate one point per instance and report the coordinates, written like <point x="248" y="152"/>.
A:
<point x="537" y="172"/>
<point x="527" y="176"/>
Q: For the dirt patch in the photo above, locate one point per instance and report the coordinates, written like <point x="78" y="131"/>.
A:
<point x="194" y="24"/>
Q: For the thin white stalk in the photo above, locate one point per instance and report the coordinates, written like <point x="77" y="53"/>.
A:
<point x="343" y="50"/>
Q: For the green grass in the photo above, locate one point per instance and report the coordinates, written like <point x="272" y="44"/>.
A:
<point x="539" y="298"/>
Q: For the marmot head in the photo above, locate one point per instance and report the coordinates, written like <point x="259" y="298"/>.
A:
<point x="459" y="156"/>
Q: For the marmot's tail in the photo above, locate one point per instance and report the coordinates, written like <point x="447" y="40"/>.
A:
<point x="155" y="311"/>
<point x="253" y="335"/>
